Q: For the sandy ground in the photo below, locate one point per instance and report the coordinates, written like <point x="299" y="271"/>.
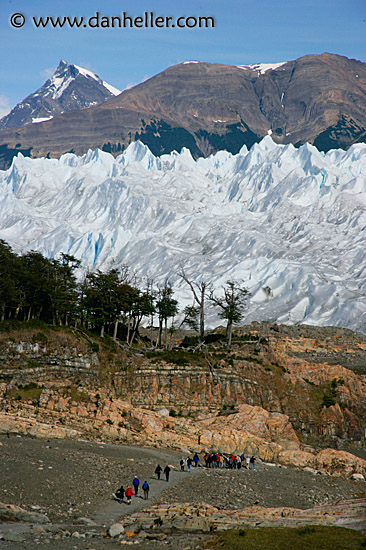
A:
<point x="72" y="483"/>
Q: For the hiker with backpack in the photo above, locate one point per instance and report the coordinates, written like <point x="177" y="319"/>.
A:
<point x="146" y="489"/>
<point x="196" y="460"/>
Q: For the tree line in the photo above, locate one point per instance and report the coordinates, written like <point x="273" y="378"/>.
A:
<point x="112" y="302"/>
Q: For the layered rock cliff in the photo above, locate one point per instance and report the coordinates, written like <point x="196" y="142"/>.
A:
<point x="262" y="397"/>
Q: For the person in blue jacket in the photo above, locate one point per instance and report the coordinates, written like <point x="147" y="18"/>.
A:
<point x="146" y="489"/>
<point x="136" y="483"/>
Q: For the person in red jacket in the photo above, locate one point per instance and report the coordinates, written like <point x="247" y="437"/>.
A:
<point x="129" y="494"/>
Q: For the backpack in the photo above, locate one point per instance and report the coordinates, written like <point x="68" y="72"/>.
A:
<point x="145" y="486"/>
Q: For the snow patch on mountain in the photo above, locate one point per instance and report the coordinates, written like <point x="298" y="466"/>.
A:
<point x="262" y="68"/>
<point x="41" y="119"/>
<point x="89" y="74"/>
<point x="289" y="220"/>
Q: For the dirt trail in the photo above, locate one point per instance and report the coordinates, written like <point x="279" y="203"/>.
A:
<point x="111" y="511"/>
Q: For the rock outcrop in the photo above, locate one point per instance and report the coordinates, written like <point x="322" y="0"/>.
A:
<point x="206" y="518"/>
<point x="12" y="513"/>
<point x="118" y="420"/>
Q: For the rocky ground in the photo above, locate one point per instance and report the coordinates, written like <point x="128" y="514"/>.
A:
<point x="71" y="483"/>
<point x="75" y="424"/>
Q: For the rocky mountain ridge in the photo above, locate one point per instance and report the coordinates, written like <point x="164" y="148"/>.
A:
<point x="206" y="107"/>
<point x="70" y="88"/>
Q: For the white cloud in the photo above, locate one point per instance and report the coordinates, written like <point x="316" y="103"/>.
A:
<point x="5" y="107"/>
<point x="47" y="73"/>
<point x="133" y="84"/>
<point x="87" y="66"/>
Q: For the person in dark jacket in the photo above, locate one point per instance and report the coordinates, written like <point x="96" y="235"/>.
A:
<point x="120" y="493"/>
<point x="252" y="462"/>
<point x="158" y="470"/>
<point x="196" y="460"/>
<point x="167" y="472"/>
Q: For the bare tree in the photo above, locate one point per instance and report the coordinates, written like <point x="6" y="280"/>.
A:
<point x="199" y="291"/>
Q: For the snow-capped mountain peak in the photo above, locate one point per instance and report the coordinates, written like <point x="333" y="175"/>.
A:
<point x="70" y="87"/>
<point x="65" y="74"/>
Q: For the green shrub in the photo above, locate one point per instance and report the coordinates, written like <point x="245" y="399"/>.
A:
<point x="177" y="357"/>
<point x="94" y="347"/>
<point x="328" y="399"/>
<point x="306" y="530"/>
<point x="33" y="364"/>
<point x="29" y="392"/>
<point x="190" y="341"/>
<point x="213" y="338"/>
<point x="303" y="538"/>
<point x="40" y="338"/>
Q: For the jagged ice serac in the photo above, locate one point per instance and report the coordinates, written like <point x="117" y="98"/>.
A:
<point x="288" y="222"/>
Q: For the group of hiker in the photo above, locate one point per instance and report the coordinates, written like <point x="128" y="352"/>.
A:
<point x="189" y="461"/>
<point x="215" y="460"/>
<point x="128" y="493"/>
<point x="212" y="460"/>
<point x="235" y="462"/>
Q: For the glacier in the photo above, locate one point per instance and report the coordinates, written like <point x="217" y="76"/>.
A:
<point x="290" y="221"/>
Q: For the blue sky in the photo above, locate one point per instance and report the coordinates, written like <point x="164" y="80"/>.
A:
<point x="246" y="31"/>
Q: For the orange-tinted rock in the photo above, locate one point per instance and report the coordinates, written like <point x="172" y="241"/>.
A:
<point x="339" y="463"/>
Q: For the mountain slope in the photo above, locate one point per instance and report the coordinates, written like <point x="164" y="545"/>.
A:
<point x="291" y="221"/>
<point x="207" y="107"/>
<point x="71" y="87"/>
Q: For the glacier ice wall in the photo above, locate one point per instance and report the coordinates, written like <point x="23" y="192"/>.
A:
<point x="275" y="216"/>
